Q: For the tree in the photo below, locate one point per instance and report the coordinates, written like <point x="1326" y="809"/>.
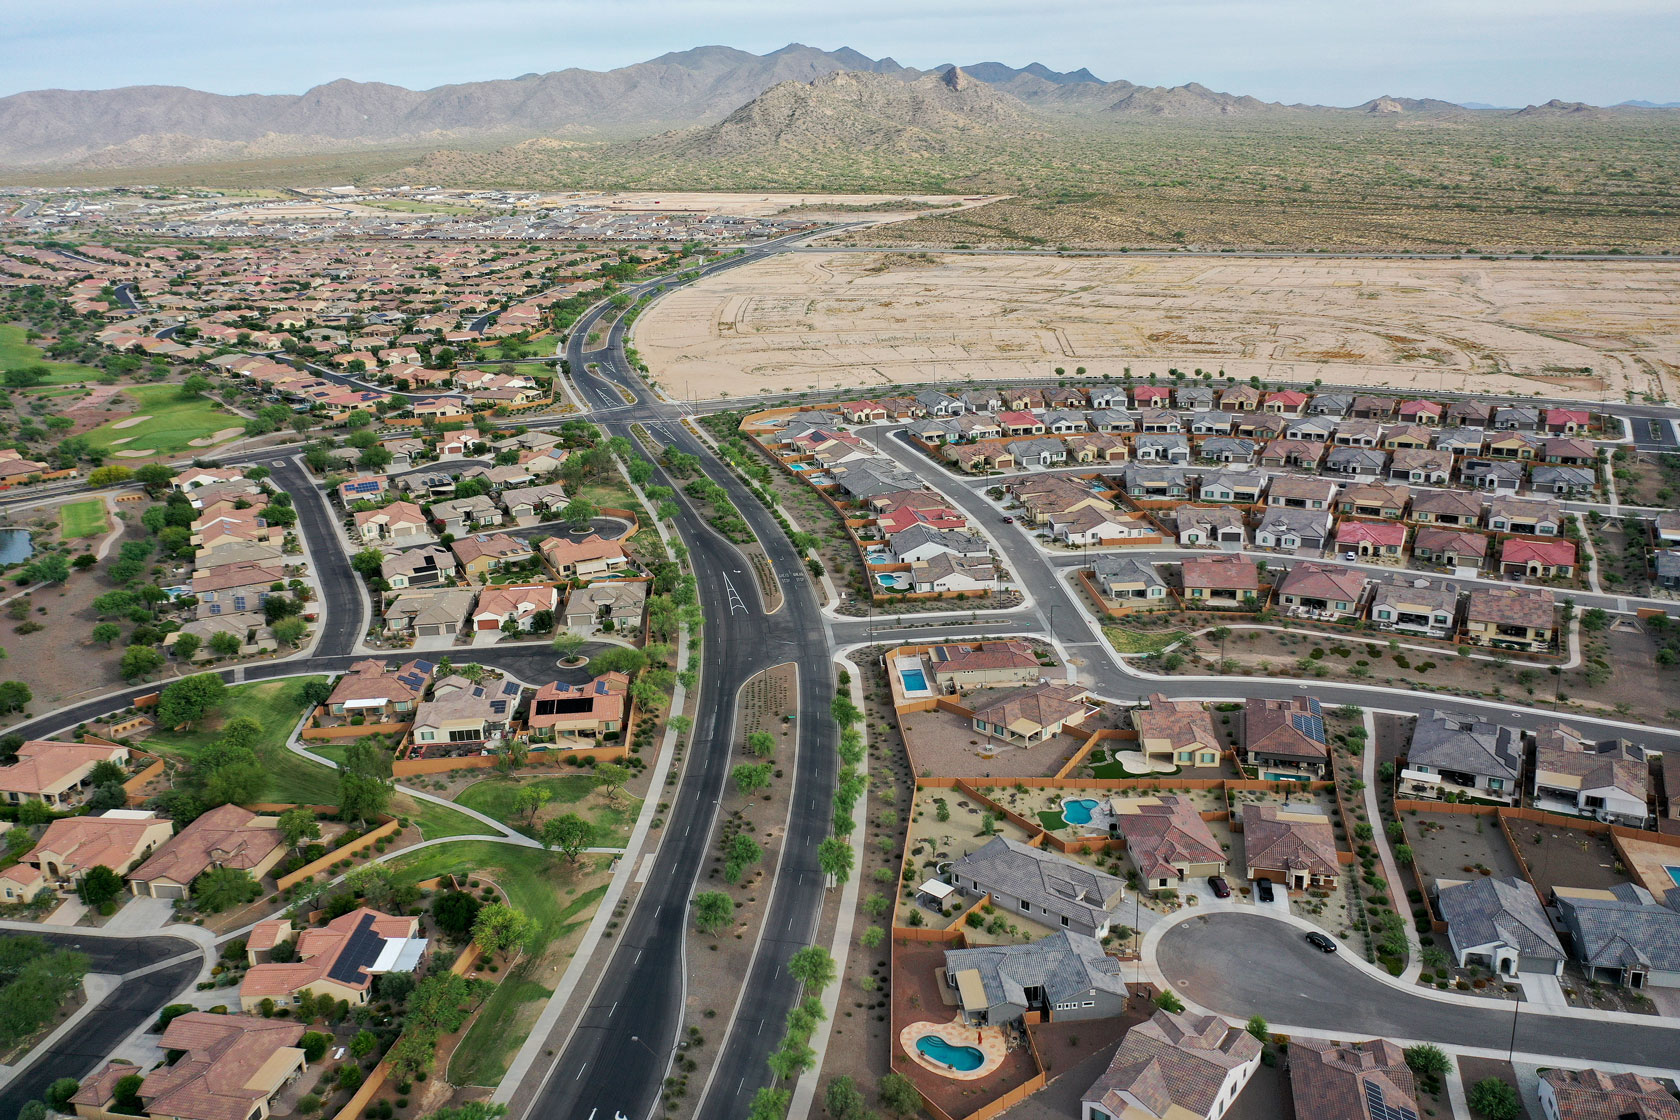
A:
<point x="579" y="512"/>
<point x="568" y="645"/>
<point x="54" y="567"/>
<point x="844" y="1100"/>
<point x="529" y="800"/>
<point x="834" y="856"/>
<point x="185" y="644"/>
<point x="1495" y="1099"/>
<point x="641" y="471"/>
<point x="1258" y="1028"/>
<point x="125" y="1094"/>
<point x="568" y="832"/>
<point x="222" y="887"/>
<point x="106" y="797"/>
<point x="297" y="825"/>
<point x="60" y="1092"/>
<point x="155" y="477"/>
<point x="455" y="912"/>
<point x="184" y="702"/>
<point x="620" y="659"/>
<point x="769" y="1103"/>
<point x="749" y="779"/>
<point x="1428" y="1060"/>
<point x="813" y="967"/>
<point x="14" y="696"/>
<point x="224" y="644"/>
<point x="316" y="692"/>
<point x="109" y="476"/>
<point x="365" y="1043"/>
<point x="611" y="777"/>
<point x="899" y="1095"/>
<point x="289" y="630"/>
<point x="1169" y="1001"/>
<point x="364" y="781"/>
<point x="141" y="661"/>
<point x="99" y="885"/>
<point x="499" y="927"/>
<point x="368" y="563"/>
<point x="314" y="1045"/>
<point x="762" y="744"/>
<point x="713" y="910"/>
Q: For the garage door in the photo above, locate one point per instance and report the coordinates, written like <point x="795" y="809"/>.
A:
<point x="167" y="890"/>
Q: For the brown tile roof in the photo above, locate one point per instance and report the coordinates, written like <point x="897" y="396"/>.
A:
<point x="1172" y="1065"/>
<point x="226" y="836"/>
<point x="1041" y="705"/>
<point x="232" y="1062"/>
<point x="1279" y="839"/>
<point x="320" y="950"/>
<point x="1534" y="608"/>
<point x="1183" y="723"/>
<point x="1292" y="728"/>
<point x="1336" y="1081"/>
<point x="1164" y="832"/>
<point x="1592" y="1094"/>
<point x="1236" y="573"/>
<point x="44" y="764"/>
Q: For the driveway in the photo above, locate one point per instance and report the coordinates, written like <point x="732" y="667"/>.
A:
<point x="142" y="915"/>
<point x="1241" y="964"/>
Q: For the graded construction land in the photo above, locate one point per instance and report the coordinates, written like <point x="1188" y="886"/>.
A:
<point x="800" y="321"/>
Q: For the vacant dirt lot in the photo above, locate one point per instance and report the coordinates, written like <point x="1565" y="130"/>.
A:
<point x="821" y="320"/>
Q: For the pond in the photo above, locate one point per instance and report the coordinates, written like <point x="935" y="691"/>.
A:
<point x="15" y="546"/>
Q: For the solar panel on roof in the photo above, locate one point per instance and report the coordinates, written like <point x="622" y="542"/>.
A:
<point x="1379" y="1107"/>
<point x="498" y="706"/>
<point x="1311" y="726"/>
<point x="360" y="950"/>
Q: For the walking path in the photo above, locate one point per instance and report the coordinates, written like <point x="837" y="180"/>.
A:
<point x="1379" y="837"/>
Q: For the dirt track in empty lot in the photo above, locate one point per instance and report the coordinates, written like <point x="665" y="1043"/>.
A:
<point x="800" y="321"/>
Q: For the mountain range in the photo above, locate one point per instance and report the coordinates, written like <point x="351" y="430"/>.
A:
<point x="710" y="99"/>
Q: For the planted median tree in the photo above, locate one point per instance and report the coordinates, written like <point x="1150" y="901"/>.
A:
<point x="813" y="967"/>
<point x="749" y="779"/>
<point x="713" y="910"/>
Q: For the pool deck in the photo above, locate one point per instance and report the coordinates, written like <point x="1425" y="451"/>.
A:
<point x="987" y="1040"/>
<point x="1648" y="864"/>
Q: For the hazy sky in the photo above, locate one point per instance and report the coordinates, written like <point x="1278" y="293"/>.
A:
<point x="1506" y="52"/>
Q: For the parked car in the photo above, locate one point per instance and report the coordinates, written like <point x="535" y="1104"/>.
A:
<point x="1009" y="521"/>
<point x="1322" y="942"/>
<point x="1221" y="889"/>
<point x="1350" y="556"/>
<point x="1263" y="887"/>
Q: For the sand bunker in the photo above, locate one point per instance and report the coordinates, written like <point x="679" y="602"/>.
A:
<point x="132" y="454"/>
<point x="123" y="440"/>
<point x="215" y="437"/>
<point x="871" y="320"/>
<point x="131" y="421"/>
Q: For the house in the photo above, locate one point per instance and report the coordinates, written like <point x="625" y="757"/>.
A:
<point x="1421" y="466"/>
<point x="1290" y="846"/>
<point x="1293" y="530"/>
<point x="1221" y="449"/>
<point x="1210" y="525"/>
<point x="72" y="846"/>
<point x="1450" y="548"/>
<point x="1163" y="448"/>
<point x="587" y="559"/>
<point x="1516" y="446"/>
<point x="1330" y="404"/>
<point x="1358" y="433"/>
<point x="1591" y="1094"/>
<point x="1242" y="487"/>
<point x="427" y="566"/>
<point x="1666" y="562"/>
<point x="500" y="477"/>
<point x="1168" y="841"/>
<point x="1239" y="398"/>
<point x="465" y="713"/>
<point x="1176" y="1066"/>
<point x="1112" y="420"/>
<point x="1537" y="557"/>
<point x="1191" y="397"/>
<point x="1063" y="422"/>
<point x="1151" y="396"/>
<point x="1566" y="421"/>
<point x="1286" y="402"/>
<point x="250" y="629"/>
<point x="1037" y="452"/>
<point x="1566" y="481"/>
<point x="935" y="403"/>
<point x="338" y="960"/>
<point x="429" y="487"/>
<point x="1317" y="429"/>
<point x="195" y="477"/>
<point x="1498" y="924"/>
<point x="1387" y="503"/>
<point x="1406" y="437"/>
<point x="1446" y="507"/>
<point x="1098" y="447"/>
<point x="482" y="553"/>
<point x="1472" y="414"/>
<point x="1064" y="977"/>
<point x="429" y="612"/>
<point x="230" y="1067"/>
<point x="948" y="574"/>
<point x="1461" y="441"/>
<point x="398" y="520"/>
<point x="503" y="606"/>
<point x="1665" y="528"/>
<point x="1045" y="497"/>
<point x="1452" y="752"/>
<point x="1607" y="779"/>
<point x="464" y="515"/>
<point x="54" y="772"/>
<point x="989" y="664"/>
<point x="1623" y="934"/>
<point x="1126" y="579"/>
<point x="1156" y="483"/>
<point x="591" y="709"/>
<point x="1284" y="739"/>
<point x="1493" y="475"/>
<point x="1088" y="527"/>
<point x="1530" y="517"/>
<point x="1422" y="412"/>
<point x="1369" y="407"/>
<point x="1212" y="423"/>
<point x="233" y="588"/>
<point x="1516" y="418"/>
<point x="1049" y="888"/>
<point x="1351" y="1080"/>
<point x="379" y="693"/>
<point x="618" y="602"/>
<point x="1220" y="581"/>
<point x="1293" y="492"/>
<point x="1415" y="606"/>
<point x="1016" y="423"/>
<point x="1569" y="452"/>
<point x="1327" y="591"/>
<point x="363" y="488"/>
<point x="1372" y="540"/>
<point x="226" y="836"/>
<point x="532" y="501"/>
<point x="1511" y="618"/>
<point x="1028" y="715"/>
<point x="1177" y="731"/>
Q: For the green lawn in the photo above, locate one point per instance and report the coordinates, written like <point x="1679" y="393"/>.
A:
<point x="84" y="519"/>
<point x="1140" y="641"/>
<point x="17" y="350"/>
<point x="173" y="422"/>
<point x="277" y="706"/>
<point x="436" y="822"/>
<point x="494" y="798"/>
<point x="534" y="881"/>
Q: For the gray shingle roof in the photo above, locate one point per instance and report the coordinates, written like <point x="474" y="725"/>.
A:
<point x="1047" y="881"/>
<point x="1452" y="741"/>
<point x="1499" y="911"/>
<point x="1064" y="964"/>
<point x="1628" y="929"/>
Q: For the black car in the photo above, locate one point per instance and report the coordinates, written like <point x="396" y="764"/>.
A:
<point x="1221" y="889"/>
<point x="1263" y="887"/>
<point x="1322" y="942"/>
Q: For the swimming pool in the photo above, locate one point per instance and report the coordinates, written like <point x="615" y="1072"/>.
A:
<point x="799" y="466"/>
<point x="914" y="680"/>
<point x="962" y="1058"/>
<point x="1078" y="811"/>
<point x="892" y="581"/>
<point x="1673" y="873"/>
